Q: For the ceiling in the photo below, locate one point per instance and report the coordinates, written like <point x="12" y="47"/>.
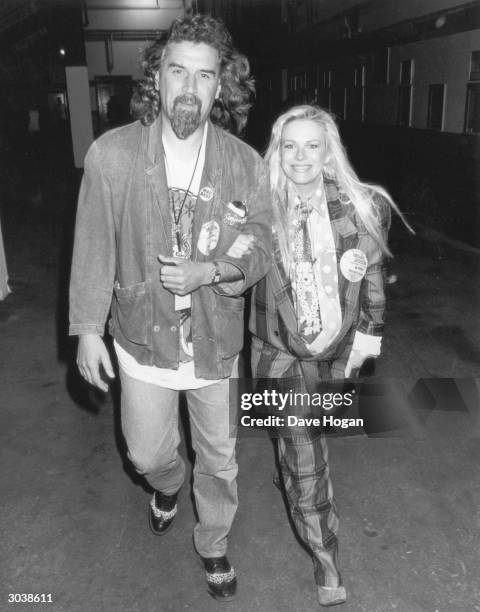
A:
<point x="133" y="4"/>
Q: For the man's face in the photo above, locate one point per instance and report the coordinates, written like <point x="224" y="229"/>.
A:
<point x="189" y="82"/>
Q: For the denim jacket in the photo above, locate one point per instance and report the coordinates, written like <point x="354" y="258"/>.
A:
<point x="124" y="222"/>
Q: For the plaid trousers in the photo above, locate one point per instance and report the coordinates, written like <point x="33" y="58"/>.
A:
<point x="304" y="474"/>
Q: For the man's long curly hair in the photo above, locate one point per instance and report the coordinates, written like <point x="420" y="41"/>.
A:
<point x="230" y="110"/>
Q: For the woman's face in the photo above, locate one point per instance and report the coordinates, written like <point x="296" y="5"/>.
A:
<point x="302" y="153"/>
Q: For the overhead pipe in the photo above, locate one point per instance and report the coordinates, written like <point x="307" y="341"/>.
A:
<point x="135" y="7"/>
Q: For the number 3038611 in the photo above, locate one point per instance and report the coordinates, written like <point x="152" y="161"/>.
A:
<point x="30" y="598"/>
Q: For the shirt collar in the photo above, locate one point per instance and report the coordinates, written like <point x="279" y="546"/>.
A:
<point x="313" y="202"/>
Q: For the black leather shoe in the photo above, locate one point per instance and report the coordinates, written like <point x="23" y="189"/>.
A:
<point x="221" y="578"/>
<point x="161" y="512"/>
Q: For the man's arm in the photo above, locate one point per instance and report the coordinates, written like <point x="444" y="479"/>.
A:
<point x="181" y="276"/>
<point x="251" y="251"/>
<point x="92" y="274"/>
<point x="246" y="260"/>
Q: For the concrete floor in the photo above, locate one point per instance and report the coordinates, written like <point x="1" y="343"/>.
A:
<point x="74" y="518"/>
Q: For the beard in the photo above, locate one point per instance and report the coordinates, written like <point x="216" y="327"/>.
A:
<point x="185" y="121"/>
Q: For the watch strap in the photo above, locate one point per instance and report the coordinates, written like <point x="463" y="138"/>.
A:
<point x="216" y="274"/>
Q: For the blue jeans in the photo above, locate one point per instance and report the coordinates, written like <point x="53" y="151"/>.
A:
<point x="150" y="427"/>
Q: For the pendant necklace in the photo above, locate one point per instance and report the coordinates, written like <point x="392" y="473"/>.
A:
<point x="176" y="215"/>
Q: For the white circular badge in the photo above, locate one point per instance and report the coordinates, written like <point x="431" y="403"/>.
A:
<point x="206" y="194"/>
<point x="353" y="265"/>
<point x="208" y="238"/>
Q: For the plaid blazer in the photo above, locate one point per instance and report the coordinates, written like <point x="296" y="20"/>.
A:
<point x="273" y="322"/>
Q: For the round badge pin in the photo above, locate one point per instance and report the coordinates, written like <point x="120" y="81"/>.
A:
<point x="353" y="265"/>
<point x="206" y="194"/>
<point x="208" y="238"/>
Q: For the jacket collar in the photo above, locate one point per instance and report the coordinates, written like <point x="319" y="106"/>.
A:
<point x="153" y="144"/>
<point x="340" y="211"/>
<point x="154" y="166"/>
<point x="154" y="151"/>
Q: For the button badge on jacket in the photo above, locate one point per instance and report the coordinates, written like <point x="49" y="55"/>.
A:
<point x="353" y="265"/>
<point x="235" y="214"/>
<point x="206" y="194"/>
<point x="208" y="237"/>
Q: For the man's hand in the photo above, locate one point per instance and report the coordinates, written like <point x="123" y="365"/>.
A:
<point x="182" y="276"/>
<point x="91" y="354"/>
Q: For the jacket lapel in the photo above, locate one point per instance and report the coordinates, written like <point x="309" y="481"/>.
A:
<point x="210" y="185"/>
<point x="157" y="176"/>
<point x="345" y="234"/>
<point x="282" y="289"/>
<point x="344" y="229"/>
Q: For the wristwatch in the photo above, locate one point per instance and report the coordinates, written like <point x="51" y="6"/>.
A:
<point x="216" y="274"/>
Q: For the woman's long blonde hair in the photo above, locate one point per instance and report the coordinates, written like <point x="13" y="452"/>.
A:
<point x="337" y="167"/>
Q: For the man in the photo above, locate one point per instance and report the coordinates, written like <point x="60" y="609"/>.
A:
<point x="177" y="265"/>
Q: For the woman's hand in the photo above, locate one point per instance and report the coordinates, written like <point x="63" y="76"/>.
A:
<point x="355" y="361"/>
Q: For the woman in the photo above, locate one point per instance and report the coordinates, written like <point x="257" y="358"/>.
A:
<point x="318" y="313"/>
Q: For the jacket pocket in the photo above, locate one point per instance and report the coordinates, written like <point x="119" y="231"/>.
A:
<point x="130" y="312"/>
<point x="229" y="323"/>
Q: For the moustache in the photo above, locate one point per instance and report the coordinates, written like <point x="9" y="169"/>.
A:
<point x="187" y="99"/>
